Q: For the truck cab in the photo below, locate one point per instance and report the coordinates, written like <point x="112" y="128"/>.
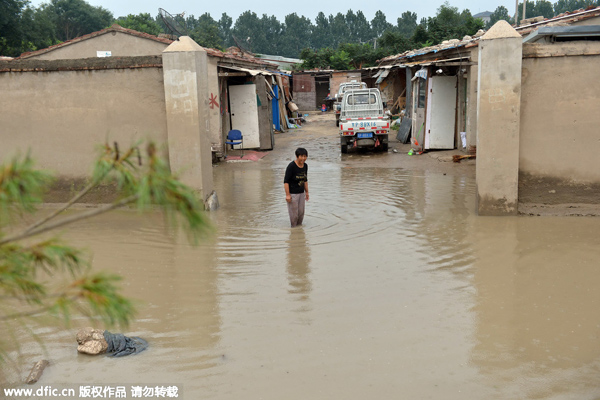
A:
<point x="340" y="94"/>
<point x="363" y="123"/>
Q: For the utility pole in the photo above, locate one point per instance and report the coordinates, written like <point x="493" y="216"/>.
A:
<point x="516" y="12"/>
<point x="524" y="2"/>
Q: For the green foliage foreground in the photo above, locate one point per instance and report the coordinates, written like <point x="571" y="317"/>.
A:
<point x="30" y="265"/>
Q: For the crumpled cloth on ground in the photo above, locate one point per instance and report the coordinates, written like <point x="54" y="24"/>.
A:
<point x="120" y="345"/>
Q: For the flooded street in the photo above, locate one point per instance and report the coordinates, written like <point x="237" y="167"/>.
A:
<point x="393" y="288"/>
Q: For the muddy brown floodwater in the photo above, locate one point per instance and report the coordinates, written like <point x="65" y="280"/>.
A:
<point x="392" y="289"/>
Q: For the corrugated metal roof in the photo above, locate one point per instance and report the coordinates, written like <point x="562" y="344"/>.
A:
<point x="252" y="72"/>
<point x="446" y="45"/>
<point x="467" y="42"/>
<point x="382" y="75"/>
<point x="566" y="18"/>
<point x="562" y="32"/>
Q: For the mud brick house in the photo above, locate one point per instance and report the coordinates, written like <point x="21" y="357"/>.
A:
<point x="122" y="85"/>
<point x="525" y="99"/>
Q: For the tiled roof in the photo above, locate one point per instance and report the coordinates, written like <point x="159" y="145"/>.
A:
<point x="233" y="55"/>
<point x="562" y="19"/>
<point x="114" y="28"/>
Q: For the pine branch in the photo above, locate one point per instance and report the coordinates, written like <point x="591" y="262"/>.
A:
<point x="68" y="220"/>
<point x="97" y="179"/>
<point x="25" y="314"/>
<point x="63" y="208"/>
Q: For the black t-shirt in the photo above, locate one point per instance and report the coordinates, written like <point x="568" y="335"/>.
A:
<point x="295" y="177"/>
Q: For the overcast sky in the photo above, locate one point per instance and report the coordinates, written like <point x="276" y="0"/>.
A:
<point x="308" y="8"/>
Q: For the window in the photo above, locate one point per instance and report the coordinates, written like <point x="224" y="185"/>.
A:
<point x="361" y="98"/>
<point x="422" y="92"/>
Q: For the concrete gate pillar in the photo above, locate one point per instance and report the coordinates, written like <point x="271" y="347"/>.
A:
<point x="185" y="73"/>
<point x="498" y="120"/>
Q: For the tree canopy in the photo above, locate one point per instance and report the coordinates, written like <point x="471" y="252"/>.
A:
<point x="141" y="22"/>
<point x="24" y="28"/>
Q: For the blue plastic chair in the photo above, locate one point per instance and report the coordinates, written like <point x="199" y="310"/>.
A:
<point x="234" y="138"/>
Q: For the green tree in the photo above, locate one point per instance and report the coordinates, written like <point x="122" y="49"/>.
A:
<point x="341" y="61"/>
<point x="529" y="11"/>
<point x="142" y="22"/>
<point x="321" y="34"/>
<point x="379" y="24"/>
<point x="407" y="23"/>
<point x="23" y="28"/>
<point x="224" y="24"/>
<point x="339" y="29"/>
<point x="11" y="28"/>
<point x="297" y="34"/>
<point x="421" y="37"/>
<point x="469" y="25"/>
<point x="316" y="58"/>
<point x="248" y="30"/>
<point x="361" y="55"/>
<point x="206" y="32"/>
<point x="450" y="24"/>
<point x="190" y="23"/>
<point x="74" y="18"/>
<point x="358" y="27"/>
<point x="393" y="42"/>
<point x="543" y="8"/>
<point x="562" y="6"/>
<point x="501" y="13"/>
<point x="28" y="261"/>
<point x="272" y="35"/>
<point x="40" y="31"/>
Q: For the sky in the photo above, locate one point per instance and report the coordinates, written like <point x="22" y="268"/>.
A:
<point x="308" y="8"/>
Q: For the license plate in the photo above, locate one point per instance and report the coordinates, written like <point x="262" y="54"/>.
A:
<point x="364" y="135"/>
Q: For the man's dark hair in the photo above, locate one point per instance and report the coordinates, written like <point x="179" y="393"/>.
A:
<point x="301" y="151"/>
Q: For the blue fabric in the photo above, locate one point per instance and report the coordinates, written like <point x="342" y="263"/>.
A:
<point x="275" y="101"/>
<point x="120" y="345"/>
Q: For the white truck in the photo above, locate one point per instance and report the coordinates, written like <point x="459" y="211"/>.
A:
<point x="340" y="94"/>
<point x="363" y="123"/>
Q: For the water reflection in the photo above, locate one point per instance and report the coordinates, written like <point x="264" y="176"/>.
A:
<point x="174" y="286"/>
<point x="393" y="288"/>
<point x="536" y="281"/>
<point x="298" y="264"/>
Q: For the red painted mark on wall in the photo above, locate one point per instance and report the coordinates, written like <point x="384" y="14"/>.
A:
<point x="213" y="101"/>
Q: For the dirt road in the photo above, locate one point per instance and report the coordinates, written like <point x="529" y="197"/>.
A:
<point x="321" y="137"/>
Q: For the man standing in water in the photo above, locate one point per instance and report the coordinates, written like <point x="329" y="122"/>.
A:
<point x="295" y="183"/>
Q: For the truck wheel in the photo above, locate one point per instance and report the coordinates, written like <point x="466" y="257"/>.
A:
<point x="384" y="147"/>
<point x="337" y="122"/>
<point x="344" y="148"/>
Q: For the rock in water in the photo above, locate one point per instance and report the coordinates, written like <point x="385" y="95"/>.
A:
<point x="91" y="341"/>
<point x="212" y="203"/>
<point x="36" y="371"/>
<point x="95" y="341"/>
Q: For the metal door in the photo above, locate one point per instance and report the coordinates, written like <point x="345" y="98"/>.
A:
<point x="418" y="112"/>
<point x="441" y="113"/>
<point x="244" y="113"/>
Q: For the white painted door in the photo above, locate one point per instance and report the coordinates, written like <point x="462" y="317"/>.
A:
<point x="244" y="113"/>
<point x="418" y="114"/>
<point x="441" y="113"/>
